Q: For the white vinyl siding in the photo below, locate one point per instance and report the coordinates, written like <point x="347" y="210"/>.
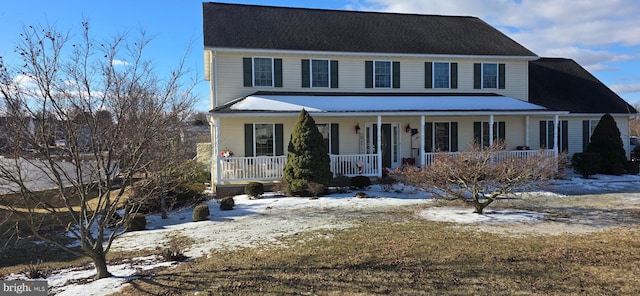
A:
<point x="229" y="78"/>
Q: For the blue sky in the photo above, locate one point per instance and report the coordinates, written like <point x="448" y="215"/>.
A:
<point x="602" y="35"/>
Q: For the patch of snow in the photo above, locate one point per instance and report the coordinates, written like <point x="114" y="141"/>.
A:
<point x="490" y="216"/>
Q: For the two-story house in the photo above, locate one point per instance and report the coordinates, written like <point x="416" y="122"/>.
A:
<point x="385" y="89"/>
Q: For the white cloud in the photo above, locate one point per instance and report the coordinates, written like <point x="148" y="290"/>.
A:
<point x="626" y="88"/>
<point x="120" y="63"/>
<point x="564" y="28"/>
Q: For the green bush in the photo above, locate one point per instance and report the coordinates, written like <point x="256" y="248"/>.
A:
<point x="307" y="158"/>
<point x="360" y="182"/>
<point x="254" y="189"/>
<point x="136" y="222"/>
<point x="606" y="141"/>
<point x="201" y="213"/>
<point x="586" y="164"/>
<point x="342" y="183"/>
<point x="227" y="203"/>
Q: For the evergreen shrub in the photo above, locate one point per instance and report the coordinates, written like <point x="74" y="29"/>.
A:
<point x="586" y="164"/>
<point x="227" y="204"/>
<point x="254" y="189"/>
<point x="360" y="182"/>
<point x="201" y="213"/>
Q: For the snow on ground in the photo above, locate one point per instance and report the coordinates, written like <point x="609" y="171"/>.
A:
<point x="265" y="221"/>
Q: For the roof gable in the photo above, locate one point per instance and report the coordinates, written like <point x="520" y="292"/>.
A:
<point x="267" y="27"/>
<point x="562" y="84"/>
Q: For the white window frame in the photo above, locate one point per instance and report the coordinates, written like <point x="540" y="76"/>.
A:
<point x="253" y="71"/>
<point x="273" y="138"/>
<point x="311" y="82"/>
<point x="375" y="85"/>
<point x="497" y="76"/>
<point x="433" y="74"/>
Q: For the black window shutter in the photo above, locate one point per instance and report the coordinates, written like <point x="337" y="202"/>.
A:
<point x="543" y="134"/>
<point x="428" y="72"/>
<point x="501" y="76"/>
<point x="477" y="76"/>
<point x="501" y="130"/>
<point x="335" y="145"/>
<point x="368" y="74"/>
<point x="428" y="136"/>
<point x="564" y="141"/>
<point x="248" y="139"/>
<point x="247" y="72"/>
<point x="279" y="140"/>
<point x="396" y="74"/>
<point x="477" y="132"/>
<point x="334" y="74"/>
<point x="454" y="75"/>
<point x="585" y="135"/>
<point x="454" y="137"/>
<point x="305" y="73"/>
<point x="277" y="72"/>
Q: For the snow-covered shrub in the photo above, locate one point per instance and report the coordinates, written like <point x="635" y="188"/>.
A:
<point x="200" y="213"/>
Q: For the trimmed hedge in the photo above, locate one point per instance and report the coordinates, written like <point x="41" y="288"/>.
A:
<point x="201" y="213"/>
<point x="254" y="189"/>
<point x="227" y="204"/>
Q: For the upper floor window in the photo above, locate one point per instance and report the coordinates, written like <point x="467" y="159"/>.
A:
<point x="262" y="71"/>
<point x="382" y="74"/>
<point x="440" y="75"/>
<point x="488" y="75"/>
<point x="319" y="73"/>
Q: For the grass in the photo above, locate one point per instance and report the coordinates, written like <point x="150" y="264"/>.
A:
<point x="407" y="256"/>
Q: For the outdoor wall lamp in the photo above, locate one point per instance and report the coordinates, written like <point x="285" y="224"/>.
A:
<point x="357" y="128"/>
<point x="407" y="128"/>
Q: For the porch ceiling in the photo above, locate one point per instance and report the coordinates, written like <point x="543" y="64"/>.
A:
<point x="380" y="104"/>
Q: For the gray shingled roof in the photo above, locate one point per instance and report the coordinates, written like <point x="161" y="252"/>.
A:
<point x="267" y="27"/>
<point x="562" y="84"/>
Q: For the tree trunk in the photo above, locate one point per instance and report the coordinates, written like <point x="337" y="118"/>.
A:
<point x="478" y="207"/>
<point x="100" y="262"/>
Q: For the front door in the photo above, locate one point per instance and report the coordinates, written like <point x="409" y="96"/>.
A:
<point x="389" y="140"/>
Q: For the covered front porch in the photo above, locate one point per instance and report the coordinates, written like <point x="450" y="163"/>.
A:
<point x="365" y="136"/>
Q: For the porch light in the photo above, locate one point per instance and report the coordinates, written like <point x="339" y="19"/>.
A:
<point x="407" y="128"/>
<point x="357" y="128"/>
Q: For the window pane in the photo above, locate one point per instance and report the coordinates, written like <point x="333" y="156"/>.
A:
<point x="264" y="139"/>
<point x="319" y="73"/>
<point x="325" y="131"/>
<point x="489" y="75"/>
<point x="441" y="136"/>
<point x="262" y="72"/>
<point x="485" y="134"/>
<point x="382" y="77"/>
<point x="441" y="75"/>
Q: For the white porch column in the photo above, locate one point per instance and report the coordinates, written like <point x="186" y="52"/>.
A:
<point x="526" y="130"/>
<point x="216" y="148"/>
<point x="379" y="145"/>
<point x="556" y="127"/>
<point x="490" y="130"/>
<point x="422" y="148"/>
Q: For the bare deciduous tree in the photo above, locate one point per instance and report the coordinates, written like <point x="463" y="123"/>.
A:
<point x="480" y="176"/>
<point x="84" y="117"/>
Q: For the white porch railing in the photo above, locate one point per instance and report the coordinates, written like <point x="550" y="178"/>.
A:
<point x="252" y="168"/>
<point x="354" y="165"/>
<point x="498" y="156"/>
